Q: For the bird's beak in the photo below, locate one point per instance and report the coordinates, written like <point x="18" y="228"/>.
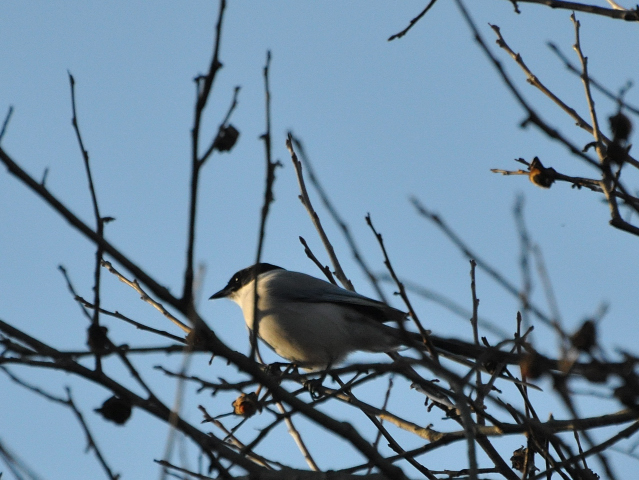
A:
<point x="221" y="294"/>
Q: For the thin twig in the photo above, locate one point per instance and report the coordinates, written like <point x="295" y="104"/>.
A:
<point x="37" y="390"/>
<point x="618" y="98"/>
<point x="153" y="405"/>
<point x="138" y="325"/>
<point x="16" y="465"/>
<point x="324" y="268"/>
<point x="221" y="128"/>
<point x="5" y="124"/>
<point x="203" y="86"/>
<point x="551" y="175"/>
<point x="532" y="116"/>
<point x="332" y="210"/>
<point x="271" y="166"/>
<point x="159" y="290"/>
<point x="72" y="290"/>
<point x="384" y="407"/>
<point x="306" y="201"/>
<point x="474" y="324"/>
<point x="628" y="15"/>
<point x="402" y="291"/>
<point x="168" y="465"/>
<point x="524" y="258"/>
<point x="99" y="229"/>
<point x="536" y="82"/>
<point x="544" y="277"/>
<point x="178" y="399"/>
<point x="601" y="447"/>
<point x="108" y="346"/>
<point x="607" y="178"/>
<point x="468" y="253"/>
<point x="68" y="402"/>
<point x="91" y="444"/>
<point x="596" y="133"/>
<point x="447" y="303"/>
<point x="298" y="439"/>
<point x="145" y="297"/>
<point x="413" y="21"/>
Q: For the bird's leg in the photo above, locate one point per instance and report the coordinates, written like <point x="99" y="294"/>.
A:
<point x="314" y="385"/>
<point x="274" y="369"/>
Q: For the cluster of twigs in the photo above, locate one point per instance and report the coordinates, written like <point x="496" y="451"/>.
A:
<point x="460" y="382"/>
<point x="612" y="154"/>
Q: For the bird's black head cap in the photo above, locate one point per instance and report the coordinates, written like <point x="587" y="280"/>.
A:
<point x="243" y="277"/>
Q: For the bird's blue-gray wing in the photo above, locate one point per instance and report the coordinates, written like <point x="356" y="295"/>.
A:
<point x="299" y="287"/>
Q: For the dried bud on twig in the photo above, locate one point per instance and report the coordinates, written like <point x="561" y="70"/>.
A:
<point x="617" y="150"/>
<point x="519" y="458"/>
<point x="628" y="393"/>
<point x="596" y="372"/>
<point x="97" y="338"/>
<point x="246" y="405"/>
<point x="530" y="366"/>
<point x="196" y="337"/>
<point x="617" y="153"/>
<point x="226" y="138"/>
<point x="116" y="410"/>
<point x="585" y="338"/>
<point x="540" y="175"/>
<point x="621" y="126"/>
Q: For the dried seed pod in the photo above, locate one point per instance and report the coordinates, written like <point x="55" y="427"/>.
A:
<point x="530" y="366"/>
<point x="540" y="175"/>
<point x="519" y="458"/>
<point x="596" y="372"/>
<point x="621" y="126"/>
<point x="585" y="338"/>
<point x="116" y="410"/>
<point x="246" y="405"/>
<point x="97" y="338"/>
<point x="617" y="153"/>
<point x="226" y="138"/>
<point x="628" y="393"/>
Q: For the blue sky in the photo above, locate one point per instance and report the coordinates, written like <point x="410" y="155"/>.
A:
<point x="423" y="116"/>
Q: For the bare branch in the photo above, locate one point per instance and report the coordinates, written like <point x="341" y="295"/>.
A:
<point x="332" y="210"/>
<point x="145" y="297"/>
<point x="159" y="290"/>
<point x="306" y="201"/>
<point x="618" y="98"/>
<point x="413" y="21"/>
<point x="5" y="124"/>
<point x="628" y="15"/>
<point x="203" y="89"/>
<point x="271" y="166"/>
<point x="532" y="116"/>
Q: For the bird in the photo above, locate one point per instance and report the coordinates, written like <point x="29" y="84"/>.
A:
<point x="315" y="324"/>
<point x="310" y="322"/>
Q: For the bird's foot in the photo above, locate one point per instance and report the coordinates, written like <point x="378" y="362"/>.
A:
<point x="273" y="370"/>
<point x="315" y="387"/>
